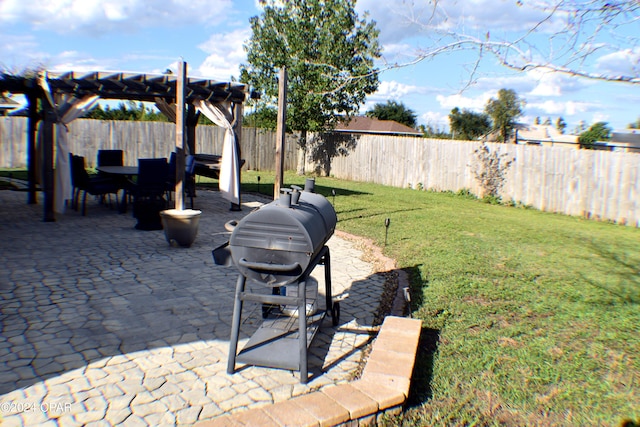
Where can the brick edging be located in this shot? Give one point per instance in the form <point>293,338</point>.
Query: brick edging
<point>383,387</point>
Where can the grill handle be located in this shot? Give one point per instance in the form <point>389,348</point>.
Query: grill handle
<point>265,266</point>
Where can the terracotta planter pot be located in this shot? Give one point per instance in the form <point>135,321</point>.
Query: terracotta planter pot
<point>180,226</point>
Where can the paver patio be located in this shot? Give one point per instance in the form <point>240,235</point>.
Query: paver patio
<point>103,324</point>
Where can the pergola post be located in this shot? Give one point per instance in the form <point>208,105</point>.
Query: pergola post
<point>47,161</point>
<point>238,113</point>
<point>180,160</point>
<point>32,123</point>
<point>281,132</point>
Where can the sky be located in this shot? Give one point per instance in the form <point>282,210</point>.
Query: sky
<point>151,36</point>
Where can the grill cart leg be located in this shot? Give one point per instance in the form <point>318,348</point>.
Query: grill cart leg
<point>333,308</point>
<point>302,330</point>
<point>235,325</point>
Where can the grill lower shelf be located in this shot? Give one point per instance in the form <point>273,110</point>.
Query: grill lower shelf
<point>278,343</point>
<point>275,344</point>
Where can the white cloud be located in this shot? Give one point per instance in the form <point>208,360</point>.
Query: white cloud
<point>400,20</point>
<point>600,117</point>
<point>78,61</point>
<point>623,62</point>
<point>224,54</point>
<point>520,83</point>
<point>534,83</point>
<point>561,108</point>
<point>367,106</point>
<point>394,90</point>
<point>549,84</point>
<point>115,12</point>
<point>547,87</point>
<point>17,45</point>
<point>391,17</point>
<point>98,16</point>
<point>489,15</point>
<point>397,53</point>
<point>476,104</point>
<point>437,120</point>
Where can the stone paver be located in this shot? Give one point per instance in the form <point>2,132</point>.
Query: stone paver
<point>103,324</point>
<point>360,402</point>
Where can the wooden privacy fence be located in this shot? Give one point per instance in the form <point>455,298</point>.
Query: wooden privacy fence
<point>590,183</point>
<point>142,140</point>
<point>595,184</point>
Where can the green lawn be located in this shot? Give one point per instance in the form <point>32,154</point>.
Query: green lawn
<point>530,318</point>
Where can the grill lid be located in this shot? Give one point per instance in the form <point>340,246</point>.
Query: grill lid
<point>276,243</point>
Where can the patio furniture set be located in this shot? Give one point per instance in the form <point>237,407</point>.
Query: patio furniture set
<point>149,185</point>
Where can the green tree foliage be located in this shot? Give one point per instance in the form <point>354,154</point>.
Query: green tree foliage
<point>504,111</point>
<point>395,111</point>
<point>264,117</point>
<point>635,125</point>
<point>328,52</point>
<point>597,132</point>
<point>128,111</point>
<point>431,132</point>
<point>468,125</point>
<point>561,125</point>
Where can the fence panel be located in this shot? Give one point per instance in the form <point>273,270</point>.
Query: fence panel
<point>596,184</point>
<point>599,184</point>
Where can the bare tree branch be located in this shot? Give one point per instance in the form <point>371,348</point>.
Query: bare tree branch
<point>579,33</point>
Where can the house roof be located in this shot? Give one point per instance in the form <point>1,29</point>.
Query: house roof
<point>544,133</point>
<point>371,125</point>
<point>7,103</point>
<point>630,136</point>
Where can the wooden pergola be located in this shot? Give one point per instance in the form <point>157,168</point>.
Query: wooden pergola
<point>156,88</point>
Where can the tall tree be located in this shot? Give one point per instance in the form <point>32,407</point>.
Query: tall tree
<point>395,111</point>
<point>504,111</point>
<point>468,125</point>
<point>599,131</point>
<point>561,125</point>
<point>328,51</point>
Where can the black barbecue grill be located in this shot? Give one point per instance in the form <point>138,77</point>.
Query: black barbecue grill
<point>278,246</point>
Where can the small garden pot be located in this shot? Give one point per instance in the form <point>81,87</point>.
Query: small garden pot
<point>180,226</point>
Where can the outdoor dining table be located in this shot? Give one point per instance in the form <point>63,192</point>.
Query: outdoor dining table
<point>119,170</point>
<point>125,172</point>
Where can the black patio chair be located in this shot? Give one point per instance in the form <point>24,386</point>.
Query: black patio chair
<point>112,158</point>
<point>171,176</point>
<point>74,188</point>
<point>148,193</point>
<point>83,182</point>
